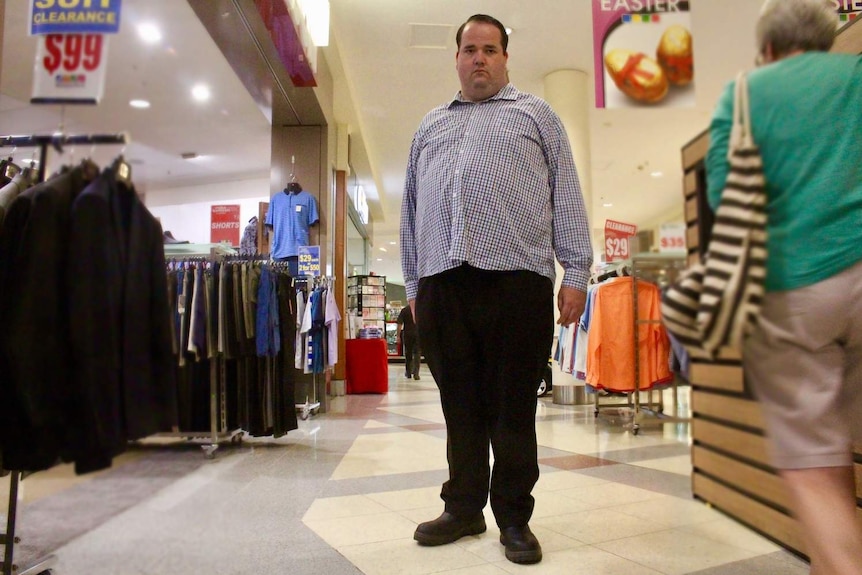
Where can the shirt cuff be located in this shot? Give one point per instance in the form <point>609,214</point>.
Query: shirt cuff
<point>412,287</point>
<point>575,278</point>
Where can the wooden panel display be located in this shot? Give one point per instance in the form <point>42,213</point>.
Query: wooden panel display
<point>691,210</point>
<point>764,485</point>
<point>723,377</point>
<point>692,238</point>
<point>730,408</point>
<point>694,152</point>
<point>740,443</point>
<point>762,518</point>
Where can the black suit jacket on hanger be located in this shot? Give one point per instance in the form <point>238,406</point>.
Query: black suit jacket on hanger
<point>34,393</point>
<point>122,362</point>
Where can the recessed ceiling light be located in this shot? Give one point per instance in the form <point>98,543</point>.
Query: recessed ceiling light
<point>201,93</point>
<point>393,243</point>
<point>509,31</point>
<point>379,259</point>
<point>607,205</point>
<point>382,249</point>
<point>149,33</point>
<point>140,104</point>
<point>656,174</point>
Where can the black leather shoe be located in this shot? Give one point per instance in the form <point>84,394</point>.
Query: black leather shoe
<point>448,528</point>
<point>521,545</point>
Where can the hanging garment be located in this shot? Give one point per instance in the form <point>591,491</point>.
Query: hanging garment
<point>333,317</point>
<point>611,351</point>
<point>122,365</point>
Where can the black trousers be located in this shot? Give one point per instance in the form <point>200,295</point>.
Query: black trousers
<point>412,355</point>
<point>486,337</point>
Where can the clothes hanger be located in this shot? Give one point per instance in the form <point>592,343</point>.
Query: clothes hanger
<point>122,171</point>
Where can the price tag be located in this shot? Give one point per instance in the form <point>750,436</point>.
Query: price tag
<point>672,238</point>
<point>617,236</point>
<point>70,69</point>
<point>308,260</point>
<point>74,16</point>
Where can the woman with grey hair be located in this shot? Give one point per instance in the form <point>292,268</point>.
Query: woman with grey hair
<point>804,360</point>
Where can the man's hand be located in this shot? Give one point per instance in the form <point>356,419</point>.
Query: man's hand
<point>571,302</point>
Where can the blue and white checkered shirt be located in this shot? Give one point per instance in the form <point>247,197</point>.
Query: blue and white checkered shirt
<point>493,184</point>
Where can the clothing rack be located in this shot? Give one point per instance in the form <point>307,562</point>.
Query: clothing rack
<point>9,539</point>
<point>664,268</point>
<point>309,408</point>
<point>58,141</point>
<point>218,432</point>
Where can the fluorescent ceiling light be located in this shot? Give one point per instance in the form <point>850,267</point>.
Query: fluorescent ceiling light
<point>140,104</point>
<point>201,93</point>
<point>607,205</point>
<point>393,243</point>
<point>149,33</point>
<point>656,174</point>
<point>382,249</point>
<point>379,259</point>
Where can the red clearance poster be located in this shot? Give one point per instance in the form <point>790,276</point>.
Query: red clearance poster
<point>224,224</point>
<point>617,236</point>
<point>643,54</point>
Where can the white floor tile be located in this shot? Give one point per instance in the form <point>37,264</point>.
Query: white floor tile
<point>607,495</point>
<point>406,557</point>
<point>730,532</point>
<point>599,525</point>
<point>392,453</point>
<point>585,559</point>
<point>558,480</point>
<point>670,511</point>
<point>371,424</point>
<point>348,506</point>
<point>364,529</point>
<point>675,552</point>
<point>680,464</point>
<point>409,498</point>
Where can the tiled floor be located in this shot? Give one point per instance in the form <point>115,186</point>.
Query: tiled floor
<point>343,494</point>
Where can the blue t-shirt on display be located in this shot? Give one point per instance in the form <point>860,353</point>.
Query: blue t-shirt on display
<point>290,216</point>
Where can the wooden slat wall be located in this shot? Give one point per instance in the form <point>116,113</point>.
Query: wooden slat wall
<point>729,454</point>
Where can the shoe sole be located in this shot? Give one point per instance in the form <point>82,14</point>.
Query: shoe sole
<point>524,557</point>
<point>433,540</point>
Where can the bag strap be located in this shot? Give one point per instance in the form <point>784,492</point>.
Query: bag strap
<point>740,135</point>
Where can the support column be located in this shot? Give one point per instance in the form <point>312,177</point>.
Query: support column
<point>567,91</point>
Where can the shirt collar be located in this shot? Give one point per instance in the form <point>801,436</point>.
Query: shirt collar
<point>507,92</point>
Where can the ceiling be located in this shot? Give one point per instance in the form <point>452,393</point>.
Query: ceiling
<point>384,87</point>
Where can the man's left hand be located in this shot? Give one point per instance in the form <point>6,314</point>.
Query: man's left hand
<point>571,302</point>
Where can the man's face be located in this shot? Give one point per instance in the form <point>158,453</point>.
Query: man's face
<point>480,62</point>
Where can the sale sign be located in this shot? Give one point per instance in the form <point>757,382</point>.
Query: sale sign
<point>74,16</point>
<point>617,236</point>
<point>309,260</point>
<point>671,238</point>
<point>70,69</point>
<point>224,224</point>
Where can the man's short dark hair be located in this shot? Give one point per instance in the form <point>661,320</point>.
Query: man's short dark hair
<point>504,36</point>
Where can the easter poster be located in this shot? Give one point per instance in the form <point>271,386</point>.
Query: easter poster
<point>643,54</point>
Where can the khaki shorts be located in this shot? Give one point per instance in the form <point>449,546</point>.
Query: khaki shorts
<point>804,363</point>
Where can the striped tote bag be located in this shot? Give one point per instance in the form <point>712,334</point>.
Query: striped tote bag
<point>716,303</point>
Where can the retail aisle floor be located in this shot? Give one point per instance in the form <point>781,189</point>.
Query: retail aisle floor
<point>343,494</point>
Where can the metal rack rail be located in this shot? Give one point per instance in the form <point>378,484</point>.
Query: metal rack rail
<point>661,269</point>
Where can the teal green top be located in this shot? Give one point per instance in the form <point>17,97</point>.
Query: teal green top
<point>806,115</point>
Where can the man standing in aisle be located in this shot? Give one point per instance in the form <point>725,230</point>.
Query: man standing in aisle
<point>409,338</point>
<point>491,195</point>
